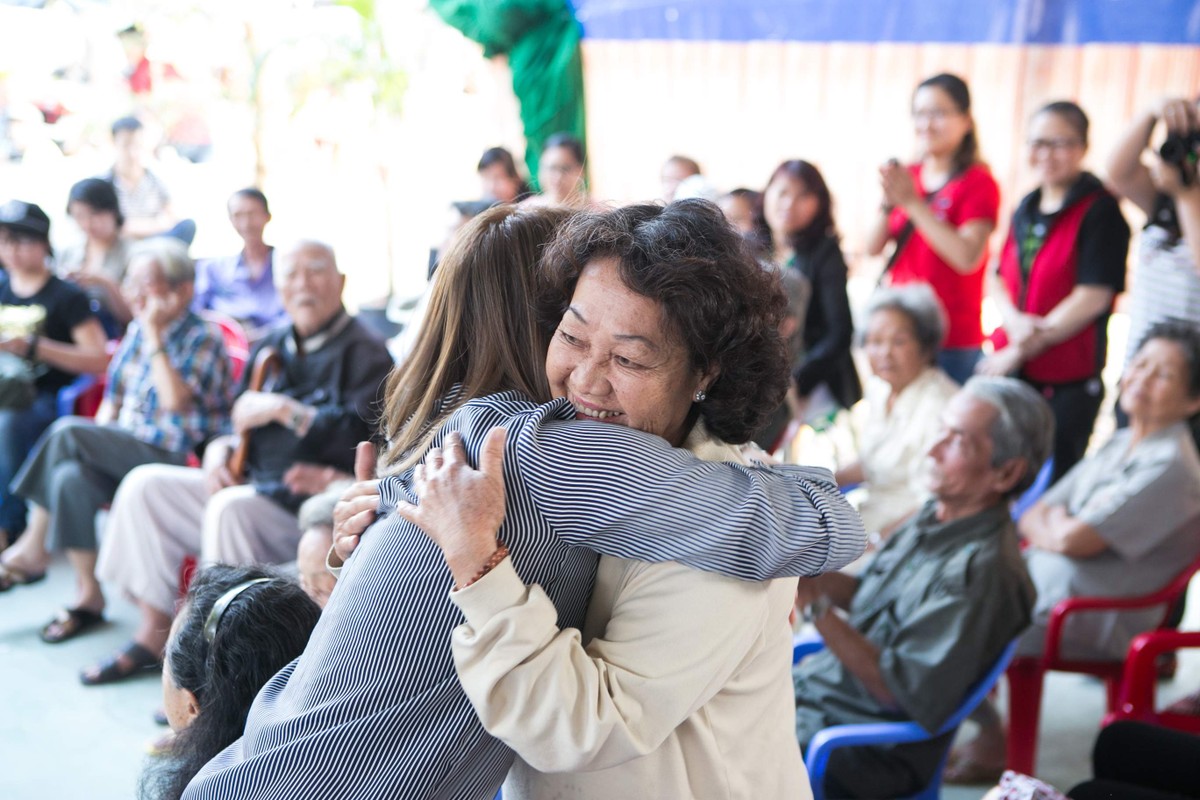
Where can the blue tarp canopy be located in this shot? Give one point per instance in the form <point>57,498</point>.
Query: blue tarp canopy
<point>1072,22</point>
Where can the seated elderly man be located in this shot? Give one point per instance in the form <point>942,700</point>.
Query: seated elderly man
<point>1121,523</point>
<point>169,389</point>
<point>939,602</point>
<point>302,429</point>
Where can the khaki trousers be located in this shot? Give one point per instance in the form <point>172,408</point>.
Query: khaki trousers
<point>162,514</point>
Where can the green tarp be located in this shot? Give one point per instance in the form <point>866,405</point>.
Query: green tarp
<point>541,40</point>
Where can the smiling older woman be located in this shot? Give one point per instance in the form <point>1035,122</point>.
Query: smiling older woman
<point>374,707</point>
<point>682,688</point>
<point>905,398</point>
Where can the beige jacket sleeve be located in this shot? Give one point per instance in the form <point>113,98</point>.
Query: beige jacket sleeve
<point>674,638</point>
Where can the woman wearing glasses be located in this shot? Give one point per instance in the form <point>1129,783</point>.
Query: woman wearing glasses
<point>1061,268</point>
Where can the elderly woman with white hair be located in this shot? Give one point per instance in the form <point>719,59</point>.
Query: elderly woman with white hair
<point>169,389</point>
<point>905,397</point>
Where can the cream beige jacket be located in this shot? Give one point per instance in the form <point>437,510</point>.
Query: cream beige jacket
<point>682,690</point>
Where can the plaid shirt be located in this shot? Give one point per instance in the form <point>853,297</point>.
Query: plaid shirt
<point>197,352</point>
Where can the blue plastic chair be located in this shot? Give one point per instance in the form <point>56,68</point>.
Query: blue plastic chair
<point>816,759</point>
<point>1034,493</point>
<point>70,394</point>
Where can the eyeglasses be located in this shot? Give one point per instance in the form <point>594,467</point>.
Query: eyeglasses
<point>1053,145</point>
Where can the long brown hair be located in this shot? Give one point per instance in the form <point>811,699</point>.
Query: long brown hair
<point>481,333</point>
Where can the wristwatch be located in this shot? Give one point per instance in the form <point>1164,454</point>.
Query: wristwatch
<point>811,612</point>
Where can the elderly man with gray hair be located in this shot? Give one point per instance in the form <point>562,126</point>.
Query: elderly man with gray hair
<point>301,427</point>
<point>937,605</point>
<point>169,389</point>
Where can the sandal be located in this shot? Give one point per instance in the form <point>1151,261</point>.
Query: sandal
<point>69,623</point>
<point>11,576</point>
<point>137,660</point>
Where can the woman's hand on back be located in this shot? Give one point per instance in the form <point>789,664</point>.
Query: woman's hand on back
<point>355,509</point>
<point>460,508</point>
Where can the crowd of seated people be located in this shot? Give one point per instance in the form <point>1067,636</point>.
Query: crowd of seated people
<point>531,594</point>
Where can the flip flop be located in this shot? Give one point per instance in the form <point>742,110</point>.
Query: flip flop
<point>11,576</point>
<point>70,622</point>
<point>111,669</point>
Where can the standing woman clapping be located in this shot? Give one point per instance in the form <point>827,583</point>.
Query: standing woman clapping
<point>939,212</point>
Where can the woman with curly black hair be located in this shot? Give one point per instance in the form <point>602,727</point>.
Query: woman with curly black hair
<point>667,325</point>
<point>663,332</point>
<point>237,628</point>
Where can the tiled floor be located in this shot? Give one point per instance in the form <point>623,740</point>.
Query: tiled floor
<point>60,740</point>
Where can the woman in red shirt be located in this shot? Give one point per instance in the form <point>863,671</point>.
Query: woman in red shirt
<point>940,212</point>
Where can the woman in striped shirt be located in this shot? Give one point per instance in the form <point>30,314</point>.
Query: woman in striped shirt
<point>374,706</point>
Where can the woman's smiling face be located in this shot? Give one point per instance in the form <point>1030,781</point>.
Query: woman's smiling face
<point>616,359</point>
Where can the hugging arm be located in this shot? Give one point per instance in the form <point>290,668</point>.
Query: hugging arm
<point>629,494</point>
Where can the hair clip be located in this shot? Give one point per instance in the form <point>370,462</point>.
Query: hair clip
<point>223,602</point>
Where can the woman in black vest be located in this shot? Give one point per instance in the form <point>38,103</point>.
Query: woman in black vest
<point>1061,267</point>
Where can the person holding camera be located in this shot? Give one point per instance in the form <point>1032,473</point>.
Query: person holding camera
<point>1165,187</point>
<point>1060,270</point>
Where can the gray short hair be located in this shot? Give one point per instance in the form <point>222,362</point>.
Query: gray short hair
<point>923,309</point>
<point>171,256</point>
<point>317,511</point>
<point>1024,424</point>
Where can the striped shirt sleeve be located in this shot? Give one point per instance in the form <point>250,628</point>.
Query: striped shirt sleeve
<point>629,494</point>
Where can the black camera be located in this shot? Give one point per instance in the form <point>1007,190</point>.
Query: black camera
<point>1179,150</point>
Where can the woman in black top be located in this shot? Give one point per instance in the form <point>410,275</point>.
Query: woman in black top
<point>49,323</point>
<point>799,212</point>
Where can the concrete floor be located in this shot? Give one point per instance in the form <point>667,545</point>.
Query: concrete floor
<point>60,740</point>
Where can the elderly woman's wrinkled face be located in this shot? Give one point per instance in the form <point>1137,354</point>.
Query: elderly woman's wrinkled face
<point>893,349</point>
<point>145,283</point>
<point>613,358</point>
<point>1154,388</point>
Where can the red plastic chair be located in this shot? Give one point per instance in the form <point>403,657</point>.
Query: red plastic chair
<point>1136,698</point>
<point>236,343</point>
<point>82,397</point>
<point>1027,674</point>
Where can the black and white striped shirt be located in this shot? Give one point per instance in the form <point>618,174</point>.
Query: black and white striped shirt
<point>373,707</point>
